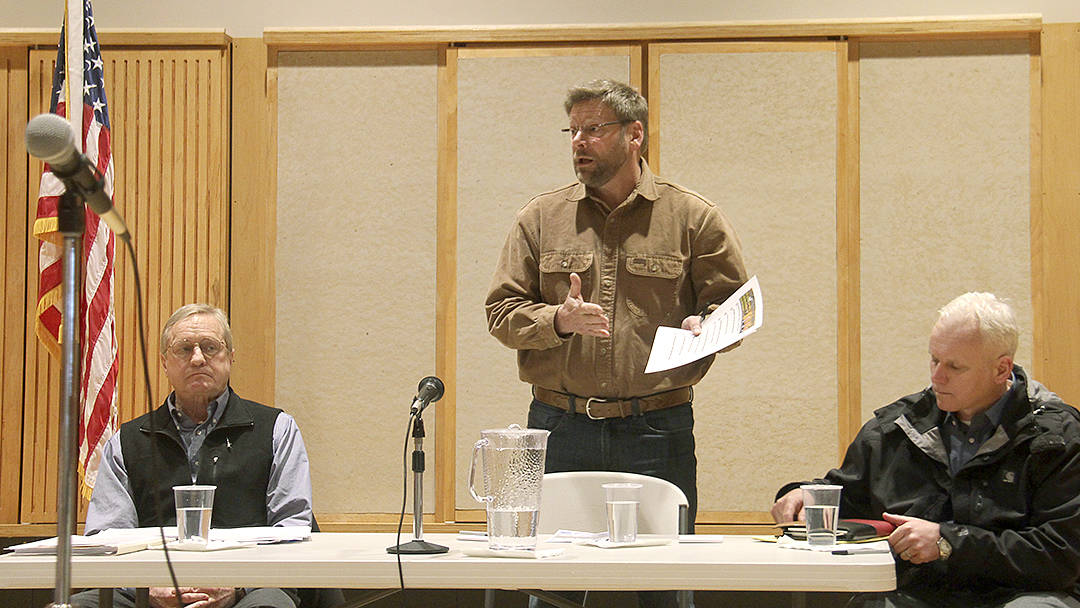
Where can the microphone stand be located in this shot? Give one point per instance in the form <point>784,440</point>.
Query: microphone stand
<point>71,222</point>
<point>418,546</point>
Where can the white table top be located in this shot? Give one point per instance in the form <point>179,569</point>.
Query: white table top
<point>360,561</point>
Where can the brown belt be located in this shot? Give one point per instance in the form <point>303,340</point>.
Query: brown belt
<point>597,408</point>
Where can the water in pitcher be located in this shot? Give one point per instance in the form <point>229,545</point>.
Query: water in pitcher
<point>514,476</point>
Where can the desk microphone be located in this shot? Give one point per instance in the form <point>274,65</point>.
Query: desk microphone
<point>428,391</point>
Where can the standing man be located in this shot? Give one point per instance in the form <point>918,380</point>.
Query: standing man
<point>206,434</point>
<point>980,472</point>
<point>587,274</point>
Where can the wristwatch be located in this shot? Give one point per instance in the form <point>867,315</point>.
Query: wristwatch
<point>944,548</point>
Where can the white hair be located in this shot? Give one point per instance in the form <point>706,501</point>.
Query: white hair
<point>993,318</point>
<point>190,310</point>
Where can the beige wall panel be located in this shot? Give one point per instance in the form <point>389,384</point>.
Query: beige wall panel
<point>509,150</point>
<point>755,132</point>
<point>170,184</point>
<point>356,188</point>
<point>945,196</point>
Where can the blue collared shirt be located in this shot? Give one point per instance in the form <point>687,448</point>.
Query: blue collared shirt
<point>288,494</point>
<point>963,440</point>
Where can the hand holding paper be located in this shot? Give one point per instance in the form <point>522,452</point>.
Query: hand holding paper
<point>739,316</point>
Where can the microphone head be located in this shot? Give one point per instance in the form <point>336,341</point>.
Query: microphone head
<point>51,138</point>
<point>430,390</point>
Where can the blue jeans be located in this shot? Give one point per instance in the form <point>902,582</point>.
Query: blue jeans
<point>658,443</point>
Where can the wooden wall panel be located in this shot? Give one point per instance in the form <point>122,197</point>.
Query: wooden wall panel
<point>1055,222</point>
<point>945,192</point>
<point>753,127</point>
<point>509,150</point>
<point>171,186</point>
<point>13,223</point>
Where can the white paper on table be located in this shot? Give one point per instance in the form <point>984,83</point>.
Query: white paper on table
<point>739,316</point>
<point>474,551</point>
<point>700,538</point>
<point>115,541</point>
<point>642,541</point>
<point>262,535</point>
<point>570,536</point>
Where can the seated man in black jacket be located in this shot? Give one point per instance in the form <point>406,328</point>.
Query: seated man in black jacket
<point>980,472</point>
<point>207,434</point>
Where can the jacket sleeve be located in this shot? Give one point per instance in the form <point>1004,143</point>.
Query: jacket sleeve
<point>1045,555</point>
<point>717,268</point>
<point>516,314</point>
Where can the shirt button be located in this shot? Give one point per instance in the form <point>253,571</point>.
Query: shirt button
<point>198,432</point>
<point>603,385</point>
<point>654,267</point>
<point>971,440</point>
<point>603,351</point>
<point>565,264</point>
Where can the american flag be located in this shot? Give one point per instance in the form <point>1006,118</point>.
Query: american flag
<point>97,330</point>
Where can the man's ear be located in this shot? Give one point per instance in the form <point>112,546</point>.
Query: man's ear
<point>1003,369</point>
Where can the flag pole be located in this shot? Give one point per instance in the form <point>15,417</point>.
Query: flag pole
<point>71,219</point>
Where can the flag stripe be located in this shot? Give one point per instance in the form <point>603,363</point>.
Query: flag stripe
<point>97,330</point>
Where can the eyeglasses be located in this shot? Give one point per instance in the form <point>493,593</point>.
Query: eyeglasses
<point>184,350</point>
<point>592,131</point>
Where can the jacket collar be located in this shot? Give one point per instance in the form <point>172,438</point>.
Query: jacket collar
<point>235,415</point>
<point>919,418</point>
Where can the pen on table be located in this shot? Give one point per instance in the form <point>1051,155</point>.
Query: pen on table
<point>858,551</point>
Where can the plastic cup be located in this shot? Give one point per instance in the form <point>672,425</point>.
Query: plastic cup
<point>821,504</point>
<point>622,511</point>
<point>194,505</point>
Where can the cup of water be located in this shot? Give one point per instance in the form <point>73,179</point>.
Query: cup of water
<point>622,511</point>
<point>194,504</point>
<point>821,504</point>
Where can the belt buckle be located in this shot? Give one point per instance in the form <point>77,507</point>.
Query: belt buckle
<point>589,402</point>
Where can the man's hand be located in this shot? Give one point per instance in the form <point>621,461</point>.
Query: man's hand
<point>914,539</point>
<point>193,597</point>
<point>789,507</point>
<point>576,316</point>
<point>693,324</point>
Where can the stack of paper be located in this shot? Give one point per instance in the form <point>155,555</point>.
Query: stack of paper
<point>107,542</point>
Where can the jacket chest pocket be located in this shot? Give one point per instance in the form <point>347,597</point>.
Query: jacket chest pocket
<point>655,280</point>
<point>555,269</point>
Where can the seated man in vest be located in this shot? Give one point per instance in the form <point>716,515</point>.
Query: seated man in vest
<point>979,472</point>
<point>207,434</point>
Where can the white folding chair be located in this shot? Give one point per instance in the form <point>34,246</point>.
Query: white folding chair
<point>575,501</point>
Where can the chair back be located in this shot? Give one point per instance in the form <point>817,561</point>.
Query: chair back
<point>575,501</point>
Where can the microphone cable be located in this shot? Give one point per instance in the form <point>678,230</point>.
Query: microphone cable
<point>404,501</point>
<point>155,458</point>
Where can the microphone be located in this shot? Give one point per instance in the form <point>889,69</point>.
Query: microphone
<point>428,391</point>
<point>52,139</point>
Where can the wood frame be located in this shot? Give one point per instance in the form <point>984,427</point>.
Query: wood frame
<point>1055,186</point>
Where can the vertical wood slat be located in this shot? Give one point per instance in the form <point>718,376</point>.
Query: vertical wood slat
<point>849,352</point>
<point>13,222</point>
<point>446,292</point>
<point>1055,219</point>
<point>41,381</point>
<point>252,239</point>
<point>159,121</point>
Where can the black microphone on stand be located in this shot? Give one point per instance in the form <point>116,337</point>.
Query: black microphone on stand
<point>428,391</point>
<point>52,139</point>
